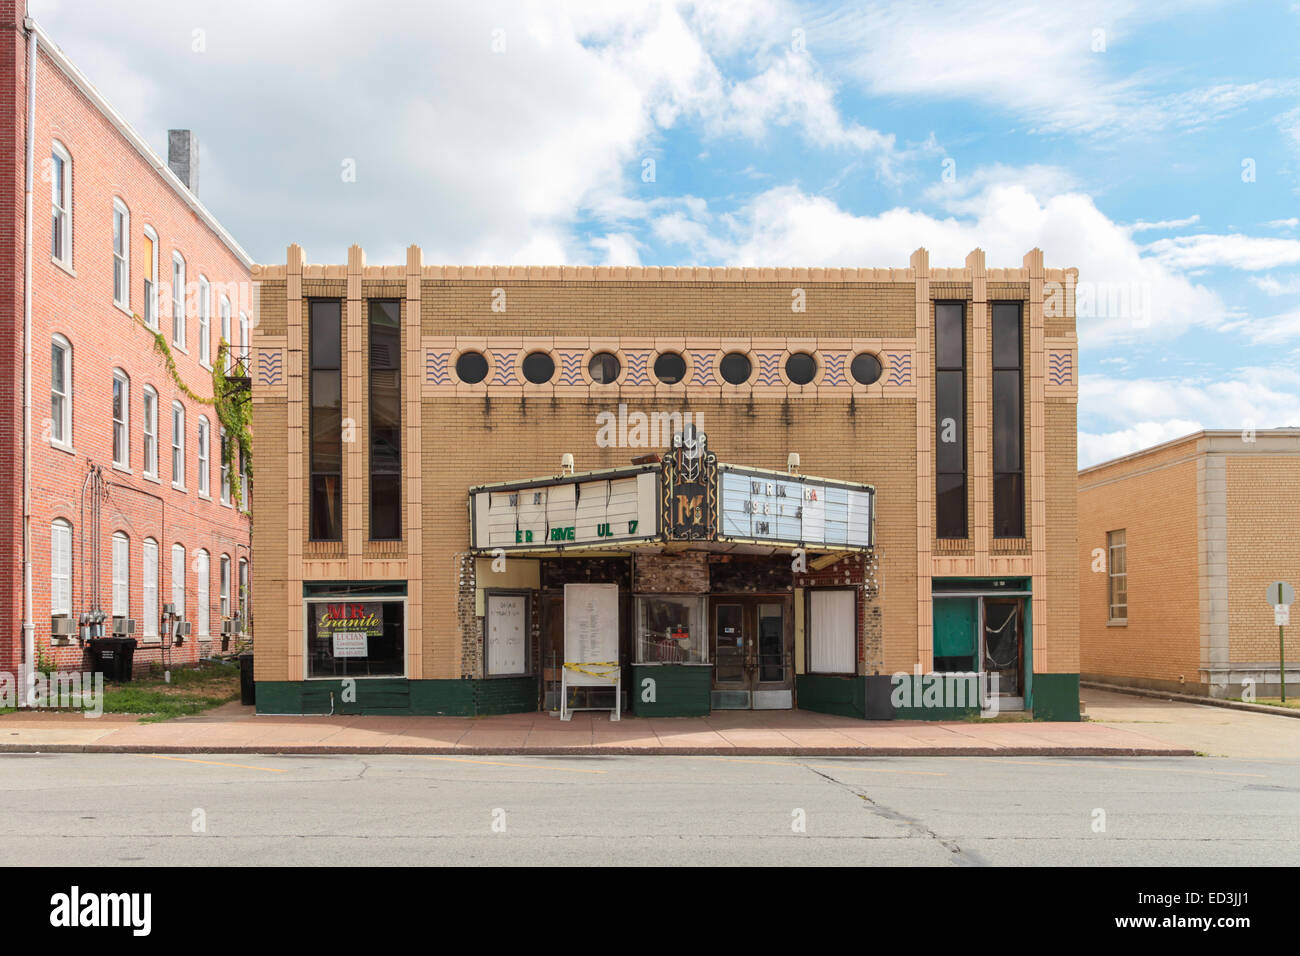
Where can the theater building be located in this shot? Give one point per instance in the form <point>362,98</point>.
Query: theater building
<point>668,491</point>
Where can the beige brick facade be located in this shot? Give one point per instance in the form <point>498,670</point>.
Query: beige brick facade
<point>1209,522</point>
<point>458,435</point>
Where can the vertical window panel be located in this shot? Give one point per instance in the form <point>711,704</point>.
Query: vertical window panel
<point>950,420</point>
<point>385,420</point>
<point>1008,422</point>
<point>326,384</point>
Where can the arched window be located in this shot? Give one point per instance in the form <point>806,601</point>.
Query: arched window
<point>149,426</point>
<point>61,566</point>
<point>61,391</point>
<point>150,278</point>
<point>225,333</point>
<point>121,575</point>
<point>205,320</point>
<point>178,445</point>
<point>178,579</point>
<point>121,254</point>
<point>203,455</point>
<point>203,578</point>
<point>178,299</point>
<point>149,588</point>
<point>61,205</point>
<point>224,585</point>
<point>121,419</point>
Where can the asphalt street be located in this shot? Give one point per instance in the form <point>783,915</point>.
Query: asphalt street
<point>210,809</point>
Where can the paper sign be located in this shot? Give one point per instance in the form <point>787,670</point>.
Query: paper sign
<point>1281,615</point>
<point>350,645</point>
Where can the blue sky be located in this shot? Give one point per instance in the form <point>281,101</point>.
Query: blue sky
<point>1155,146</point>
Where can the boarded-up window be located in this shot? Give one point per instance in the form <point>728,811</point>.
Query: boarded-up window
<point>832,636</point>
<point>507,634</point>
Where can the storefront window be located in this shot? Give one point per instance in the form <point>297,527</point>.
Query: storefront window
<point>356,637</point>
<point>670,630</point>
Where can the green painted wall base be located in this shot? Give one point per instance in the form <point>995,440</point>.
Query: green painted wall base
<point>1056,697</point>
<point>449,698</point>
<point>841,696</point>
<point>680,690</point>
<point>934,697</point>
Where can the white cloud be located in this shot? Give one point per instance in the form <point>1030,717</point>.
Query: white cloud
<point>1035,60</point>
<point>1291,223</point>
<point>1164,224</point>
<point>1132,296</point>
<point>479,156</point>
<point>1270,286</point>
<point>1236,251</point>
<point>1147,411</point>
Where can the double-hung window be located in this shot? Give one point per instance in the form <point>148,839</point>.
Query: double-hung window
<point>61,391</point>
<point>178,445</point>
<point>121,255</point>
<point>205,321</point>
<point>61,205</point>
<point>150,429</point>
<point>121,418</point>
<point>178,300</point>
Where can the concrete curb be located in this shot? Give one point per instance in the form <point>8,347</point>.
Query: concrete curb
<point>1194,699</point>
<point>1055,751</point>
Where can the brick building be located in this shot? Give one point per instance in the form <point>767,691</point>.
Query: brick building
<point>719,487</point>
<point>1179,543</point>
<point>129,506</point>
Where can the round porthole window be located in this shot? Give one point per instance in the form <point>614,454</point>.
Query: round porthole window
<point>471,367</point>
<point>604,368</point>
<point>801,368</point>
<point>735,368</point>
<point>670,368</point>
<point>866,369</point>
<point>539,367</point>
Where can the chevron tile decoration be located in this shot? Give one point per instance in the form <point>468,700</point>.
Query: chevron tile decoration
<point>833,364</point>
<point>571,367</point>
<point>1060,367</point>
<point>769,368</point>
<point>900,368</point>
<point>435,367</point>
<point>270,367</point>
<point>638,367</point>
<point>504,362</point>
<point>702,363</point>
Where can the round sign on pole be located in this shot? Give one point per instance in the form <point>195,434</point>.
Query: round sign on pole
<point>1279,592</point>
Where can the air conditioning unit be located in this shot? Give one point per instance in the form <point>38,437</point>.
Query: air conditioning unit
<point>169,609</point>
<point>230,628</point>
<point>182,631</point>
<point>61,626</point>
<point>123,626</point>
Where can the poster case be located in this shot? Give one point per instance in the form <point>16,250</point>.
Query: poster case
<point>590,644</point>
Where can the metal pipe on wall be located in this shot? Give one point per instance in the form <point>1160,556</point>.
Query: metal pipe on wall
<point>28,663</point>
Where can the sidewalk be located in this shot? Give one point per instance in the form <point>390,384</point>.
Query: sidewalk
<point>235,729</point>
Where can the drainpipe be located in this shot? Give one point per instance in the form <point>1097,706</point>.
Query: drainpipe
<point>28,680</point>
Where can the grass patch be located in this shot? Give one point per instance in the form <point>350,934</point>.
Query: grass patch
<point>1292,703</point>
<point>191,690</point>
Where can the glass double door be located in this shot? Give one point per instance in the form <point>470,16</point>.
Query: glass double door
<point>752,642</point>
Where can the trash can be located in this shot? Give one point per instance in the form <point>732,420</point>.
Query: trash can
<point>247,689</point>
<point>112,656</point>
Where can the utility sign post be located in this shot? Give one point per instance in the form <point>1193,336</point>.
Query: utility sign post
<point>1281,595</point>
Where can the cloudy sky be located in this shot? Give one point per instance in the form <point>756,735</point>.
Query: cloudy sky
<point>1154,145</point>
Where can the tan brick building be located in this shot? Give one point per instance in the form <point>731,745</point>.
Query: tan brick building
<point>1178,544</point>
<point>722,487</point>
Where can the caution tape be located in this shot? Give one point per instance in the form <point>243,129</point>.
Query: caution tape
<point>609,667</point>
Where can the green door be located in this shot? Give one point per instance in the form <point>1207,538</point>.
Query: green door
<point>956,622</point>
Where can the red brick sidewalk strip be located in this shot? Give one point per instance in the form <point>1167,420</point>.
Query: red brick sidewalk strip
<point>739,733</point>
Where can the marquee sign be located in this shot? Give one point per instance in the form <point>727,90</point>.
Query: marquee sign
<point>770,506</point>
<point>689,496</point>
<point>567,512</point>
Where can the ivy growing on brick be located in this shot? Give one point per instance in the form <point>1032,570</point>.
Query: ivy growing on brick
<point>235,416</point>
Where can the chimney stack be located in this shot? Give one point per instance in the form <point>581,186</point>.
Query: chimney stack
<point>183,157</point>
